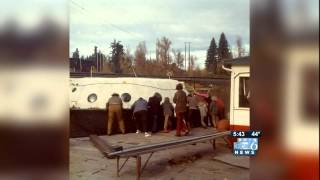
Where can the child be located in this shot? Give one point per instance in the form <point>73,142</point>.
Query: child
<point>203,112</point>
<point>167,112</point>
<point>213,111</point>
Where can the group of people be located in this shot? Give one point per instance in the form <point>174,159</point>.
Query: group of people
<point>186,112</point>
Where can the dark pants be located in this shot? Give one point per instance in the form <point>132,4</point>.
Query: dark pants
<point>192,116</point>
<point>141,120</point>
<point>155,118</point>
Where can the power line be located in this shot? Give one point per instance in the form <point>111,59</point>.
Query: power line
<point>85,10</point>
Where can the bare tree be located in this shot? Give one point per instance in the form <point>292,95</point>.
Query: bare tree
<point>162,51</point>
<point>178,58</point>
<point>239,46</point>
<point>126,62</point>
<point>140,54</point>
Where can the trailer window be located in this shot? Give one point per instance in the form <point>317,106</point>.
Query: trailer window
<point>92,98</point>
<point>244,93</point>
<point>126,97</point>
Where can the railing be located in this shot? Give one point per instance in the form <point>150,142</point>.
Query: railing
<point>137,151</point>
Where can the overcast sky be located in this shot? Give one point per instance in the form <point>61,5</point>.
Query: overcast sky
<point>97,23</point>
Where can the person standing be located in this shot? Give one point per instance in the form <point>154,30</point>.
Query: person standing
<point>167,112</point>
<point>203,112</point>
<point>211,91</point>
<point>220,109</point>
<point>193,107</point>
<point>154,107</point>
<point>180,99</point>
<point>114,107</point>
<point>213,111</point>
<point>140,108</point>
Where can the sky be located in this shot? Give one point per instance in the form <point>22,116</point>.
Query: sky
<point>99,22</point>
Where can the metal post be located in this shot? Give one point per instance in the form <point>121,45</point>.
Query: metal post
<point>194,84</point>
<point>185,55</point>
<point>189,57</point>
<point>118,159</point>
<point>138,166</point>
<point>214,144</point>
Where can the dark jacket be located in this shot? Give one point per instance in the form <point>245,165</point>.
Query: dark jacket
<point>180,99</point>
<point>154,105</point>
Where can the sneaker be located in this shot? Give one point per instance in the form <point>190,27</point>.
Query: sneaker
<point>137,132</point>
<point>147,134</point>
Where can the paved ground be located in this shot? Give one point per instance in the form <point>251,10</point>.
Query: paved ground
<point>192,162</point>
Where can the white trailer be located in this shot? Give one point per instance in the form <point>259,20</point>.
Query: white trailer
<point>239,93</point>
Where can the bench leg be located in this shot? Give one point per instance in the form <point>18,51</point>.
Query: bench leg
<point>214,144</point>
<point>118,159</point>
<point>138,166</point>
<point>229,144</point>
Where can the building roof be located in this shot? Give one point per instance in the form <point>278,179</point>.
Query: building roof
<point>238,61</point>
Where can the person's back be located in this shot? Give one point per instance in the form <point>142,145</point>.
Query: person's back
<point>180,99</point>
<point>167,108</point>
<point>167,112</point>
<point>154,104</point>
<point>219,103</point>
<point>193,102</point>
<point>213,107</point>
<point>154,110</point>
<point>203,108</point>
<point>140,105</point>
<point>203,112</point>
<point>114,107</point>
<point>220,108</point>
<point>140,108</point>
<point>115,100</point>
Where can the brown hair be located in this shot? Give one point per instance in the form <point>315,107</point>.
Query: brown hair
<point>179,86</point>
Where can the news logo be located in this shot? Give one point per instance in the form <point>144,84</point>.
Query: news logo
<point>247,142</point>
<point>245,147</point>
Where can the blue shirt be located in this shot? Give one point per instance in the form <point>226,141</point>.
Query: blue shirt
<point>140,105</point>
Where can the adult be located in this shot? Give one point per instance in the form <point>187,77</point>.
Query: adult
<point>140,108</point>
<point>114,107</point>
<point>220,109</point>
<point>203,108</point>
<point>154,109</point>
<point>211,91</point>
<point>213,111</point>
<point>180,99</point>
<point>167,112</point>
<point>193,108</point>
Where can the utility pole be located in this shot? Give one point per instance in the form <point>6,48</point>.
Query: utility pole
<point>185,56</point>
<point>96,56</point>
<point>189,60</point>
